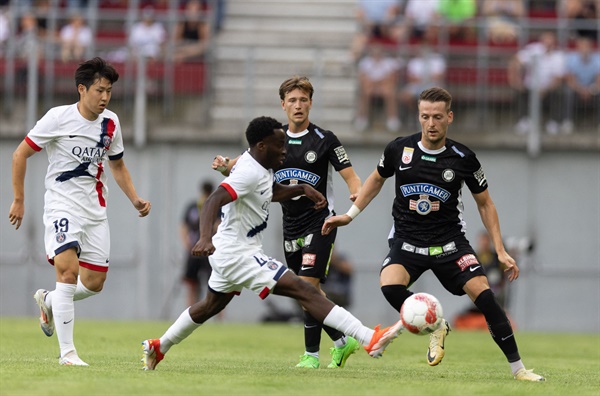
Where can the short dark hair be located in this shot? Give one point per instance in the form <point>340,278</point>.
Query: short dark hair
<point>260,128</point>
<point>207,187</point>
<point>436,94</point>
<point>92,70</point>
<point>296,82</point>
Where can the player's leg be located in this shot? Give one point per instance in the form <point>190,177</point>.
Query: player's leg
<point>189,320</point>
<point>374,340</point>
<point>66,264</point>
<point>219,294</point>
<point>478,290</point>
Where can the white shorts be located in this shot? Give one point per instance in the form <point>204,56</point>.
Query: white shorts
<point>257,272</point>
<point>91,238</point>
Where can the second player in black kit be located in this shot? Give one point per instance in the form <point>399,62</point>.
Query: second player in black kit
<point>312,154</point>
<point>429,232</point>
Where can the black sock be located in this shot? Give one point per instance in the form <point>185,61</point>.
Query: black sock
<point>333,333</point>
<point>396,295</point>
<point>312,333</point>
<point>498,324</point>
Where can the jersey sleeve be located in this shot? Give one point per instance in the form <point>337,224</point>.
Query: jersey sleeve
<point>43,132</point>
<point>116,147</point>
<point>475,176</point>
<point>241,181</point>
<point>337,154</point>
<point>385,167</point>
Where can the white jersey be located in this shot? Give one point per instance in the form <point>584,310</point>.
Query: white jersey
<point>244,219</point>
<point>76,147</point>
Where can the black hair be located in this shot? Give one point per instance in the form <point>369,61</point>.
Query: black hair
<point>92,70</point>
<point>207,187</point>
<point>260,128</point>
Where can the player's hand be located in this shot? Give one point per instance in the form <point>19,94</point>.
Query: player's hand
<point>335,221</point>
<point>142,206</point>
<point>203,248</point>
<point>220,163</point>
<point>353,197</point>
<point>16,213</point>
<point>315,196</point>
<point>510,266</point>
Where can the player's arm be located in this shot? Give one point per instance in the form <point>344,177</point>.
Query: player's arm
<point>352,181</point>
<point>209,215</point>
<point>123,179</point>
<point>489,217</point>
<point>369,190</point>
<point>19,168</point>
<point>286,192</point>
<point>224,164</point>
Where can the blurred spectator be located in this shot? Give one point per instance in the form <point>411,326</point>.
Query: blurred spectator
<point>459,16</point>
<point>197,268</point>
<point>338,287</point>
<point>502,23</point>
<point>586,11</point>
<point>4,31</point>
<point>192,34</point>
<point>147,36</point>
<point>378,75</point>
<point>472,318</point>
<point>425,70</point>
<point>377,20</point>
<point>543,63</point>
<point>75,38</point>
<point>583,82</point>
<point>421,17</point>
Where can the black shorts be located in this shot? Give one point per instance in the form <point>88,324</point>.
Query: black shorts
<point>196,268</point>
<point>309,255</point>
<point>453,262</point>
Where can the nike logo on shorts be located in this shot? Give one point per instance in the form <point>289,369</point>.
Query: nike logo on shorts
<point>472,269</point>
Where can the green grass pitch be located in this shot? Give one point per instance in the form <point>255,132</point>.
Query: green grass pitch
<point>255,359</point>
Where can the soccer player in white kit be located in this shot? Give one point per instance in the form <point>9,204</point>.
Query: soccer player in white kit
<point>236,252</point>
<point>78,139</point>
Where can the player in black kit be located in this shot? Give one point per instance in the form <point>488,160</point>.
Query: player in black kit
<point>428,232</point>
<point>312,153</point>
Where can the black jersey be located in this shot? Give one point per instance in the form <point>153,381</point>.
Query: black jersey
<point>310,159</point>
<point>428,207</point>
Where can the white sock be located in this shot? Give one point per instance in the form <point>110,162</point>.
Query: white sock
<point>82,292</point>
<point>64,316</point>
<point>313,354</point>
<point>48,300</point>
<point>180,330</point>
<point>516,366</point>
<point>340,342</point>
<point>344,321</point>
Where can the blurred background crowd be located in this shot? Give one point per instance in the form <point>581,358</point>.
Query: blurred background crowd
<point>204,67</point>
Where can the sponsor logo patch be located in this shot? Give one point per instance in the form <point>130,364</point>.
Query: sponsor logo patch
<point>480,177</point>
<point>425,188</point>
<point>297,174</point>
<point>310,157</point>
<point>408,247</point>
<point>61,237</point>
<point>428,158</point>
<point>342,156</point>
<point>435,250</point>
<point>423,205</point>
<point>466,260</point>
<point>308,259</point>
<point>272,266</point>
<point>295,141</point>
<point>407,155</point>
<point>448,175</point>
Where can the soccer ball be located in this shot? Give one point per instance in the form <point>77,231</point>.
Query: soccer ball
<point>421,313</point>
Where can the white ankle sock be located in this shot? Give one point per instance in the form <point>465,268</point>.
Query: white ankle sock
<point>344,321</point>
<point>181,329</point>
<point>340,342</point>
<point>82,292</point>
<point>64,316</point>
<point>516,366</point>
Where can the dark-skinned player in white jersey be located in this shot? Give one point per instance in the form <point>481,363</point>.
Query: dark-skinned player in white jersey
<point>312,153</point>
<point>428,232</point>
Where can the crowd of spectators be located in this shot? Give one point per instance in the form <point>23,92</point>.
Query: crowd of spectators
<point>411,41</point>
<point>113,37</point>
